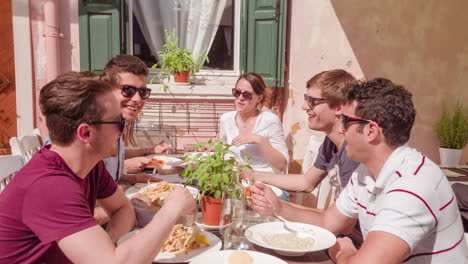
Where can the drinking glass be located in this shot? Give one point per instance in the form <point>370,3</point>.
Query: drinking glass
<point>232,224</point>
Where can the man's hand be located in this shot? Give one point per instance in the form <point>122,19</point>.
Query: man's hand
<point>162,148</point>
<point>100,215</point>
<point>343,248</point>
<point>263,199</point>
<point>182,200</point>
<point>136,164</point>
<point>141,177</point>
<point>248,139</point>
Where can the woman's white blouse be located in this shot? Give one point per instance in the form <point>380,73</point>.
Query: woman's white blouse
<point>267,125</point>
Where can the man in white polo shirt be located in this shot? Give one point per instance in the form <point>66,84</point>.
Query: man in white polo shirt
<point>404,203</point>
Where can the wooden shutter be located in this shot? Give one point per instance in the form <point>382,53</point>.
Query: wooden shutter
<point>262,39</point>
<point>99,33</point>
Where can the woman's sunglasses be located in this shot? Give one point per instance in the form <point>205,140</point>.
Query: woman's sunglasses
<point>313,101</point>
<point>129,91</point>
<point>246,95</point>
<point>121,123</point>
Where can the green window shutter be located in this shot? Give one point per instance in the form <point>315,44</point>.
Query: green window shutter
<point>99,33</point>
<point>262,39</point>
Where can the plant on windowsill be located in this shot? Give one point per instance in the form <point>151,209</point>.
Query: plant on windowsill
<point>214,174</point>
<point>452,132</point>
<point>176,61</point>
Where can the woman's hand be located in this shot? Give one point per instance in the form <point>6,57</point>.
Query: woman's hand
<point>162,148</point>
<point>248,139</point>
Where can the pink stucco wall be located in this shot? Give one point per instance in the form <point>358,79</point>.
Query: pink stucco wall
<point>416,43</point>
<point>69,44</point>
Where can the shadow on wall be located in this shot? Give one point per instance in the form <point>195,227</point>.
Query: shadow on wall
<point>417,44</point>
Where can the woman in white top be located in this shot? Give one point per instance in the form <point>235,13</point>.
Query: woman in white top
<point>255,133</point>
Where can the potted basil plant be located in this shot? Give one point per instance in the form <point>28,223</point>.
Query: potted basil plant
<point>214,174</point>
<point>178,62</point>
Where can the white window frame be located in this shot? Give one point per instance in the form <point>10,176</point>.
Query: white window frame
<point>235,72</point>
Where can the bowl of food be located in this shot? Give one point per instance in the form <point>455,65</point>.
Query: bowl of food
<point>147,199</point>
<point>274,236</point>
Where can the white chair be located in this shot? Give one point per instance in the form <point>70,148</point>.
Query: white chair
<point>9,165</point>
<point>26,146</point>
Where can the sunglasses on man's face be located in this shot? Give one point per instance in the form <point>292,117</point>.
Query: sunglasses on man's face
<point>246,95</point>
<point>121,123</point>
<point>313,101</point>
<point>346,120</point>
<point>129,91</point>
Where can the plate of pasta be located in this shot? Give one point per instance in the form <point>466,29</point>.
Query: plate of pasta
<point>183,244</point>
<point>152,195</point>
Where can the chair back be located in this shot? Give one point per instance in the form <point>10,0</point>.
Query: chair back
<point>9,165</point>
<point>26,146</point>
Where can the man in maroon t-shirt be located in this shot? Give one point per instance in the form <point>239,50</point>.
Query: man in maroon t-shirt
<point>46,211</point>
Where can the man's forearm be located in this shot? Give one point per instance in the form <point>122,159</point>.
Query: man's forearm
<point>289,182</point>
<point>121,222</point>
<point>131,153</point>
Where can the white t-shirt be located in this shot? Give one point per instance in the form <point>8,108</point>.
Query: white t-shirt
<point>411,199</point>
<point>267,125</point>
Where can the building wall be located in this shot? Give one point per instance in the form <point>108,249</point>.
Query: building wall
<point>420,44</point>
<point>67,14</point>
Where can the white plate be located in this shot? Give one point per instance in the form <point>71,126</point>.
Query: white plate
<point>222,257</point>
<point>164,257</point>
<point>323,238</point>
<point>138,187</point>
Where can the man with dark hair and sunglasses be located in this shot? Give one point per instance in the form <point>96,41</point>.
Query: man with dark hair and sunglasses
<point>323,104</point>
<point>404,203</point>
<point>46,211</point>
<point>132,94</point>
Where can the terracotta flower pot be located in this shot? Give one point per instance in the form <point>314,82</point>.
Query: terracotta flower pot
<point>182,77</point>
<point>211,210</point>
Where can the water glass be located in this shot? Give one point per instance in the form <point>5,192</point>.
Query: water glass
<point>232,224</point>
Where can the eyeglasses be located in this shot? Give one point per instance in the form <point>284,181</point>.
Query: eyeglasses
<point>237,93</point>
<point>345,120</point>
<point>129,91</point>
<point>121,123</point>
<point>313,101</point>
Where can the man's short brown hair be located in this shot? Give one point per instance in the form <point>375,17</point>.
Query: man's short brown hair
<point>69,101</point>
<point>126,63</point>
<point>332,84</point>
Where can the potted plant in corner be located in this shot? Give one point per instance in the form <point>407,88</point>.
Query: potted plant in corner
<point>453,135</point>
<point>178,62</point>
<point>214,174</point>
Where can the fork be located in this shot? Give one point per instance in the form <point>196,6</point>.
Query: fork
<point>297,233</point>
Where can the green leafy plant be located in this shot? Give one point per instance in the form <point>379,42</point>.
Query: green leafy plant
<point>175,59</point>
<point>453,131</point>
<point>216,172</point>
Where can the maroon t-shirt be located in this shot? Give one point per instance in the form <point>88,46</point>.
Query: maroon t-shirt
<point>44,202</point>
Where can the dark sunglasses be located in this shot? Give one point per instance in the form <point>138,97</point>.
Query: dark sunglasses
<point>313,101</point>
<point>345,120</point>
<point>121,123</point>
<point>237,93</point>
<point>129,91</point>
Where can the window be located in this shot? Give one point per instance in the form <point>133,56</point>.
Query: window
<point>203,25</point>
